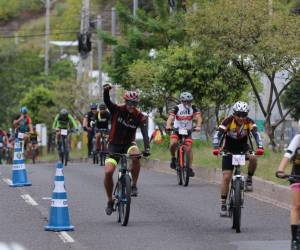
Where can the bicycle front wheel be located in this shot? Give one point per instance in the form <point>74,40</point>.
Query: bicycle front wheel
<point>186,167</point>
<point>124,196</point>
<point>237,207</point>
<point>33,156</point>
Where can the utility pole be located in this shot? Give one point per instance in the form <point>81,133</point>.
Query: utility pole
<point>270,7</point>
<point>47,32</point>
<point>135,7</point>
<point>84,62</point>
<point>113,22</point>
<point>16,38</point>
<point>113,33</point>
<point>100,55</point>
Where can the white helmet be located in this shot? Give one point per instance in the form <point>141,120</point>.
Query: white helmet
<point>242,107</point>
<point>186,96</point>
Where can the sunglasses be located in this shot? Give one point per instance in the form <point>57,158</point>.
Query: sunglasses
<point>131,103</point>
<point>241,114</point>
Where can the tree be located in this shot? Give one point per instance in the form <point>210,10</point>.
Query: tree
<point>244,33</point>
<point>213,81</point>
<point>18,68</point>
<point>291,98</point>
<point>40,101</point>
<point>155,28</point>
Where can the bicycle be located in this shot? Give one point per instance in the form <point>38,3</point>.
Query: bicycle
<point>95,151</point>
<point>8,154</point>
<point>235,201</point>
<point>34,150</point>
<point>122,189</point>
<point>2,148</point>
<point>103,145</point>
<point>64,147</point>
<point>183,157</point>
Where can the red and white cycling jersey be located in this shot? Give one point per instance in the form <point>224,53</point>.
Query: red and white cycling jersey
<point>293,151</point>
<point>184,116</point>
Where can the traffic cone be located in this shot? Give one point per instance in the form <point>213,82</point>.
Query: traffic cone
<point>19,173</point>
<point>59,212</point>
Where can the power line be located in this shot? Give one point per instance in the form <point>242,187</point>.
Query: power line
<point>39,35</point>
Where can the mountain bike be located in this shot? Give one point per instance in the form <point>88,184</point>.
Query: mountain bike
<point>103,145</point>
<point>8,154</point>
<point>33,149</point>
<point>2,147</point>
<point>235,200</point>
<point>183,157</point>
<point>122,189</point>
<point>64,146</point>
<point>95,151</point>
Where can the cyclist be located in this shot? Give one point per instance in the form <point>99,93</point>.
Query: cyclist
<point>3,142</point>
<point>10,144</point>
<point>183,115</point>
<point>235,131</point>
<point>63,120</point>
<point>89,117</point>
<point>293,154</point>
<point>125,121</point>
<point>33,139</point>
<point>23,124</point>
<point>102,122</point>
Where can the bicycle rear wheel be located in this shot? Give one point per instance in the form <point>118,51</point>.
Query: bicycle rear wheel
<point>124,196</point>
<point>33,155</point>
<point>237,209</point>
<point>186,167</point>
<point>102,155</point>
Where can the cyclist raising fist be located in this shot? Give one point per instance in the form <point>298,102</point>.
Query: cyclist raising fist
<point>125,119</point>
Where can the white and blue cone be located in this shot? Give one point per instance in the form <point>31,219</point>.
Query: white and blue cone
<point>19,173</point>
<point>59,212</point>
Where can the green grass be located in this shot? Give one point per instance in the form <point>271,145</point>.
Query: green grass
<point>74,154</point>
<point>203,157</point>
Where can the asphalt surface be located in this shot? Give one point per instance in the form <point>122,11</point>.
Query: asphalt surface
<point>164,216</point>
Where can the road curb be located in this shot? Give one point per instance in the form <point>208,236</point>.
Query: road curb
<point>267,191</point>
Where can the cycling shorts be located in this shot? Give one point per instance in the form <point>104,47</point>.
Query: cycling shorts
<point>176,136</point>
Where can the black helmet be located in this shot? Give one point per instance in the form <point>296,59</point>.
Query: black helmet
<point>102,106</point>
<point>93,106</point>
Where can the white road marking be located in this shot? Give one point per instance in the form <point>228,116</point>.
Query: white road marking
<point>65,237</point>
<point>16,246</point>
<point>12,246</point>
<point>7,181</point>
<point>46,198</point>
<point>28,199</point>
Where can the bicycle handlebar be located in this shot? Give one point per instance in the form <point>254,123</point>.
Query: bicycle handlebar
<point>290,177</point>
<point>222,153</point>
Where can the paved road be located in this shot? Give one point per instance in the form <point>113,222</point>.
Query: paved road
<point>164,216</point>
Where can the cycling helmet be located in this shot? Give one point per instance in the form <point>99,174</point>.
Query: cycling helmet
<point>131,96</point>
<point>186,96</point>
<point>241,107</point>
<point>93,106</point>
<point>102,106</point>
<point>24,110</point>
<point>64,112</point>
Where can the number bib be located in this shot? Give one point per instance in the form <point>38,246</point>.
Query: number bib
<point>64,132</point>
<point>238,160</point>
